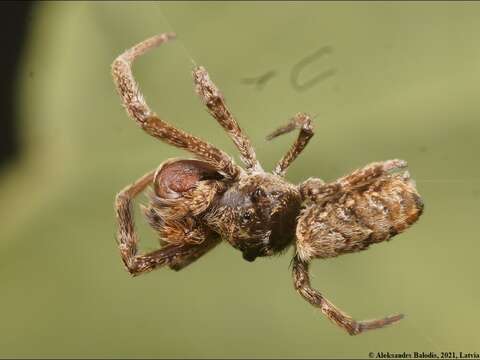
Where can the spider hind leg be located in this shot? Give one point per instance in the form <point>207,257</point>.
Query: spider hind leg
<point>302,285</point>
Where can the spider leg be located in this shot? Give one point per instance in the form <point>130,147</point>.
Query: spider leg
<point>370,173</point>
<point>302,285</point>
<point>176,256</point>
<point>300,121</point>
<point>139,111</point>
<point>317,191</point>
<point>214,101</point>
<point>180,262</point>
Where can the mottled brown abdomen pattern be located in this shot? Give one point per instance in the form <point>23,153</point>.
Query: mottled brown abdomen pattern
<point>355,219</point>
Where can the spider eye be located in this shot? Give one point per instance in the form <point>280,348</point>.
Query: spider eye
<point>258,194</point>
<point>247,216</point>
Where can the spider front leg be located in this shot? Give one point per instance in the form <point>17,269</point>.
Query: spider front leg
<point>315,190</point>
<point>139,111</point>
<point>300,121</point>
<point>214,101</point>
<point>302,285</point>
<point>174,255</point>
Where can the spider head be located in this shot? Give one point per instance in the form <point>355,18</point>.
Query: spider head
<point>257,215</point>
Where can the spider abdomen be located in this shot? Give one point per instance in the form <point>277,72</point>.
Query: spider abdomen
<point>358,218</point>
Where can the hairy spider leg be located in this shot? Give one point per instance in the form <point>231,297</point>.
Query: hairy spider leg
<point>316,191</point>
<point>213,99</point>
<point>301,281</point>
<point>139,111</point>
<point>174,255</point>
<point>300,121</point>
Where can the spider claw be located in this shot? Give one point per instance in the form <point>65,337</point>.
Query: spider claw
<point>362,326</point>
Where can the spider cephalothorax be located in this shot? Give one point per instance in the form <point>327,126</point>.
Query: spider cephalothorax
<point>257,215</point>
<point>195,203</point>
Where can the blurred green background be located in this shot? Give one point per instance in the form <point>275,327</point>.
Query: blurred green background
<point>405,84</point>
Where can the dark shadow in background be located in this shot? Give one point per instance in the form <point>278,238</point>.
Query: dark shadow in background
<point>307,60</point>
<point>14,21</point>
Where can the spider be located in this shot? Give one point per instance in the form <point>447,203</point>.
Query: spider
<point>195,203</point>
